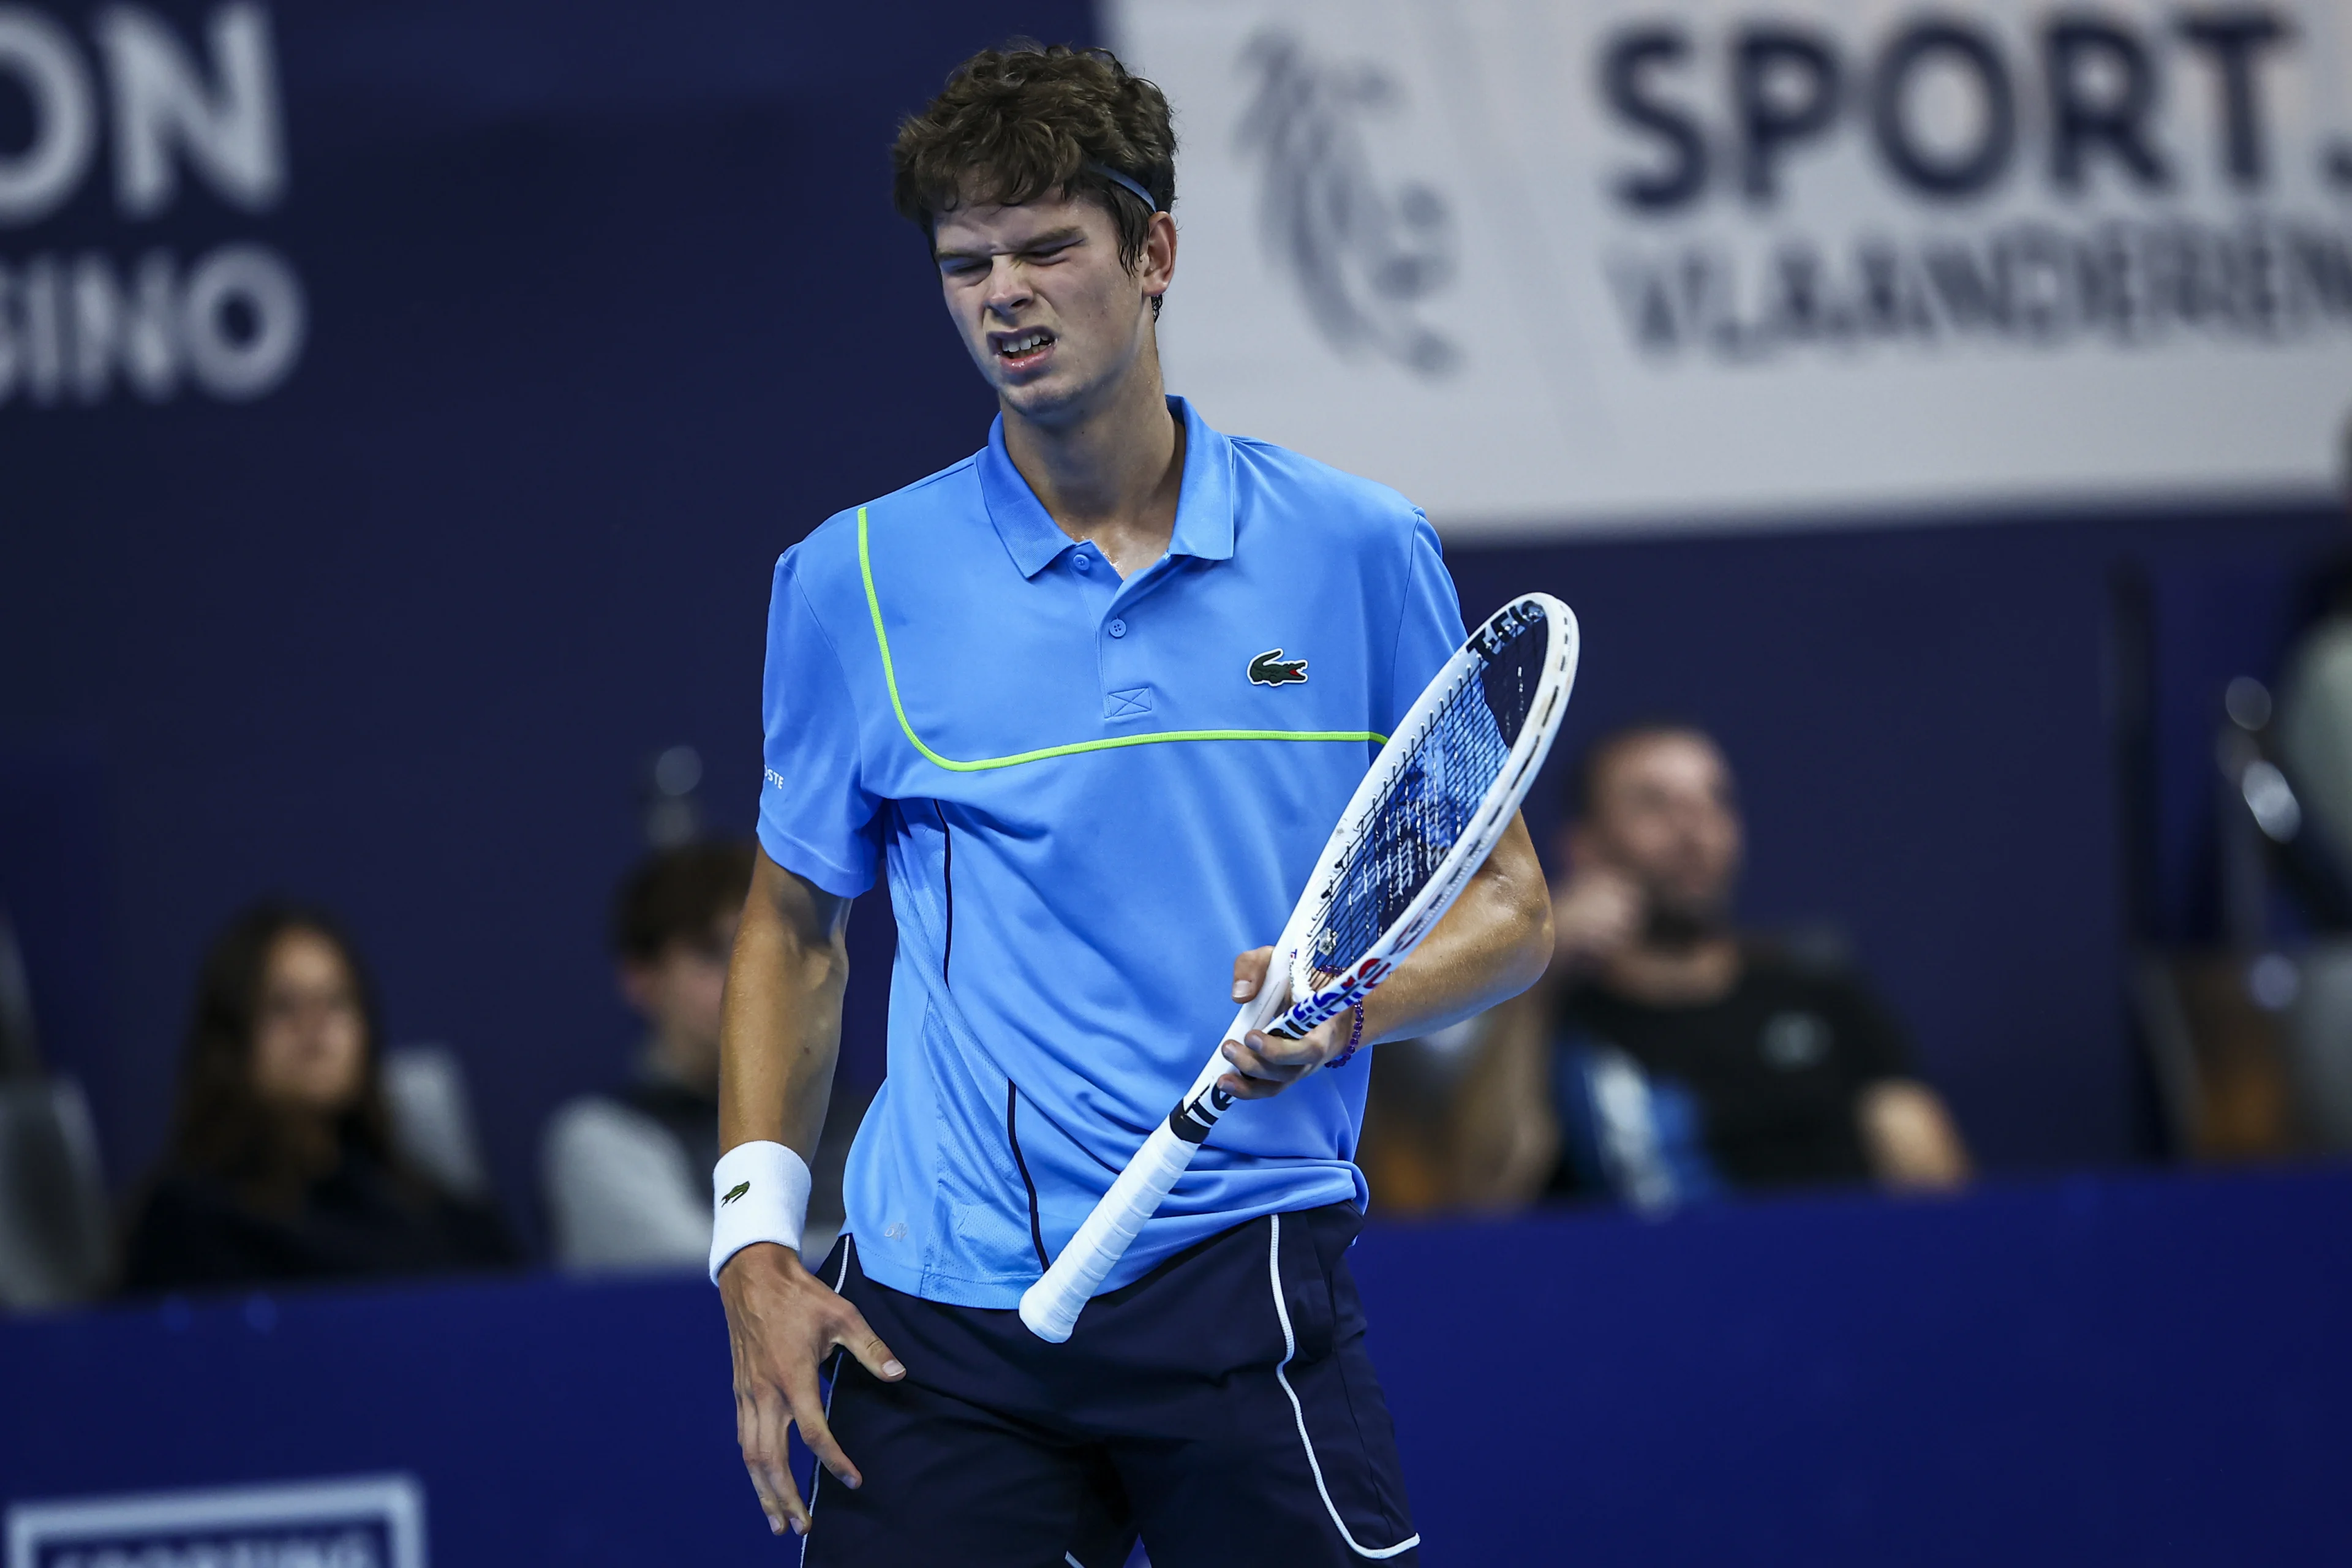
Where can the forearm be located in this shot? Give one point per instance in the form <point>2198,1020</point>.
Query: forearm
<point>780,1035</point>
<point>1492,945</point>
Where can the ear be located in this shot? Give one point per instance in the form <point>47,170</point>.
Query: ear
<point>1156,269</point>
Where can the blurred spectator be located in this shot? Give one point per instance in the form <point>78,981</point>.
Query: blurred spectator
<point>628,1174</point>
<point>2310,746</point>
<point>283,1165</point>
<point>2314,727</point>
<point>1665,1059</point>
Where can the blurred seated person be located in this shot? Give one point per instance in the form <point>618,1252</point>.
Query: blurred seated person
<point>282,1165</point>
<point>2313,735</point>
<point>1665,1058</point>
<point>627,1175</point>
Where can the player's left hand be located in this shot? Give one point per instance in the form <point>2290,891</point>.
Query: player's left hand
<point>1265,1065</point>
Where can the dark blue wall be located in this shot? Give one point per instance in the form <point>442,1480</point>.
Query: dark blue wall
<point>607,308</point>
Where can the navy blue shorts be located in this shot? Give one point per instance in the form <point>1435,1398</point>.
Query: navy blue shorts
<point>1222,1406</point>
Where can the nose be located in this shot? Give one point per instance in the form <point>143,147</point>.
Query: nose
<point>1008,286</point>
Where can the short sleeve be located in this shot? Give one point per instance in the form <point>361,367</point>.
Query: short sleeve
<point>1429,629</point>
<point>816,818</point>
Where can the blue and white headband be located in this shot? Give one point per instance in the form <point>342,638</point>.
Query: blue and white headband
<point>1115,178</point>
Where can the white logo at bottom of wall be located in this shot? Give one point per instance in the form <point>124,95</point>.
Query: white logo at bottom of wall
<point>353,1522</point>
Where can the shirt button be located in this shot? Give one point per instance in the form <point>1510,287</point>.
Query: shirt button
<point>1119,629</point>
<point>1082,562</point>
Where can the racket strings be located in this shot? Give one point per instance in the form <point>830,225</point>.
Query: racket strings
<point>1428,804</point>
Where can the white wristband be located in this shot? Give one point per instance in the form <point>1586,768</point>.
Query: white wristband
<point>758,1192</point>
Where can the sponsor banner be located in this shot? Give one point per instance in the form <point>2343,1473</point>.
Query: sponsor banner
<point>360,1521</point>
<point>1549,264</point>
<point>118,124</point>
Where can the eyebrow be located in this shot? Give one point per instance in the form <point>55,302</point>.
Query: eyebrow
<point>1067,236</point>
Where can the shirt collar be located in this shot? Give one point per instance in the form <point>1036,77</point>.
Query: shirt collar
<point>1204,507</point>
<point>1204,510</point>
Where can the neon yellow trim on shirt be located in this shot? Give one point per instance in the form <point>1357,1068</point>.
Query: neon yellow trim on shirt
<point>891,678</point>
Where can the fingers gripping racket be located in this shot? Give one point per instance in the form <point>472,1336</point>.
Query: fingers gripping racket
<point>1425,819</point>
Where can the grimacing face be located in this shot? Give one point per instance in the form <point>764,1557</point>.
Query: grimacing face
<point>310,1040</point>
<point>1663,812</point>
<point>1049,315</point>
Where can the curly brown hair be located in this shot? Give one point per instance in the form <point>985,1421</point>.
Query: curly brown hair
<point>1020,122</point>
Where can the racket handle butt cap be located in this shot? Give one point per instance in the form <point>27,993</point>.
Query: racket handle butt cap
<point>1044,1317</point>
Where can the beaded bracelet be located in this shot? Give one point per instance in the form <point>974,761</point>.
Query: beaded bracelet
<point>1355,1038</point>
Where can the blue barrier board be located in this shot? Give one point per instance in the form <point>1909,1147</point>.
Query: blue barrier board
<point>2149,1369</point>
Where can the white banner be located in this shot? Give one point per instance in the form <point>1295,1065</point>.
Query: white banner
<point>1552,264</point>
<point>356,1521</point>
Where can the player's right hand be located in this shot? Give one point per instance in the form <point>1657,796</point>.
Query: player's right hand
<point>781,1322</point>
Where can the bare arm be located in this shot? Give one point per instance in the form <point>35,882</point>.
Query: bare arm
<point>1492,944</point>
<point>1910,1137</point>
<point>777,1043</point>
<point>782,1034</point>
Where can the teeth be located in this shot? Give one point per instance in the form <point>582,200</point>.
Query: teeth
<point>1021,345</point>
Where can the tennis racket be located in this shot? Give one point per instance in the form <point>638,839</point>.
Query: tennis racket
<point>1425,819</point>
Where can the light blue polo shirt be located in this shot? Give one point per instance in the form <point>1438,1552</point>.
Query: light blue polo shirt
<point>1086,806</point>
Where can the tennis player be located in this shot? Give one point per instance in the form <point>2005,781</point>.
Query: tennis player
<point>1093,696</point>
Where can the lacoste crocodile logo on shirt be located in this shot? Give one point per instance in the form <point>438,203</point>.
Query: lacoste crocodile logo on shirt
<point>739,1189</point>
<point>1270,668</point>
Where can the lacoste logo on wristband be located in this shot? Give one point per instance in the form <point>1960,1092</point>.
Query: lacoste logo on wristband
<point>736,1192</point>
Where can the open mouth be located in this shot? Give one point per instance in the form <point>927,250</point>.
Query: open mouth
<point>1019,351</point>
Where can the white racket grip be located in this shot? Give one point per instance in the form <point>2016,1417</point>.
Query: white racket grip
<point>1051,1307</point>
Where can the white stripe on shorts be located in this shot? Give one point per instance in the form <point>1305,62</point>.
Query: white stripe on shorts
<point>1290,1349</point>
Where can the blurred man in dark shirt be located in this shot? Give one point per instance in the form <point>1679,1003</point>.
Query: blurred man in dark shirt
<point>1665,1059</point>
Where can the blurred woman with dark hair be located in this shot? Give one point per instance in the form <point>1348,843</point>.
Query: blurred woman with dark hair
<point>282,1165</point>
